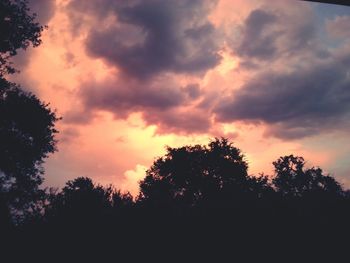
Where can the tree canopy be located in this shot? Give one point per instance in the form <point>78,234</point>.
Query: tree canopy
<point>27,125</point>
<point>27,137</point>
<point>18,30</point>
<point>292,179</point>
<point>193,175</point>
<point>83,200</point>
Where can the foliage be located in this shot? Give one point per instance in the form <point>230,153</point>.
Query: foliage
<point>81,199</point>
<point>27,137</point>
<point>195,199</point>
<point>18,31</point>
<point>191,175</point>
<point>293,180</point>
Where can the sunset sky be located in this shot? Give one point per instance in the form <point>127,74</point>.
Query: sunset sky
<point>130,77</point>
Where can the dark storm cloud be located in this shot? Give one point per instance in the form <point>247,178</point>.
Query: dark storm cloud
<point>257,40</point>
<point>299,87</point>
<point>150,42</point>
<point>146,38</point>
<point>161,102</point>
<point>307,101</point>
<point>121,100</point>
<point>174,109</point>
<point>268,35</point>
<point>193,91</point>
<point>179,121</point>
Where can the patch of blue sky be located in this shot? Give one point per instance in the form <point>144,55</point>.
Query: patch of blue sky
<point>324,12</point>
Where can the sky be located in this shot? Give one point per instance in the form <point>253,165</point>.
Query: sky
<point>131,77</point>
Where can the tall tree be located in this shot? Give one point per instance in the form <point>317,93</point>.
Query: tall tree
<point>18,31</point>
<point>27,133</point>
<point>27,137</point>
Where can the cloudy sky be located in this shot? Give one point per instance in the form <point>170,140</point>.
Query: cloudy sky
<point>130,77</point>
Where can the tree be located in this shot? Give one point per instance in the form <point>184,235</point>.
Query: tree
<point>27,137</point>
<point>192,175</point>
<point>26,124</point>
<point>18,31</point>
<point>122,200</point>
<point>293,180</point>
<point>82,199</point>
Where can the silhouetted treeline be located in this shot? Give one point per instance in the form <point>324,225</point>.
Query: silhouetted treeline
<point>200,197</point>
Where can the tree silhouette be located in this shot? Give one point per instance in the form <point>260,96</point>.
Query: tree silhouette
<point>122,200</point>
<point>18,30</point>
<point>27,137</point>
<point>293,180</point>
<point>312,205</point>
<point>26,124</point>
<point>81,199</point>
<point>196,175</point>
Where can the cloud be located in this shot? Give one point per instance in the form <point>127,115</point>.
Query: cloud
<point>123,98</point>
<point>158,50</point>
<point>273,33</point>
<point>132,178</point>
<point>181,121</point>
<point>68,135</point>
<point>146,38</point>
<point>79,116</point>
<point>258,41</point>
<point>306,101</point>
<point>162,102</point>
<point>296,84</point>
<point>70,59</point>
<point>193,91</point>
<point>339,27</point>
